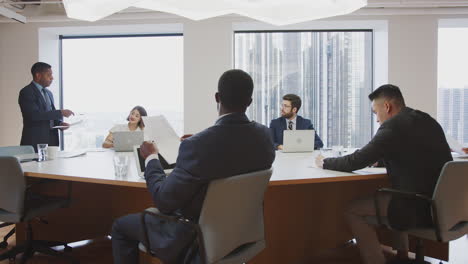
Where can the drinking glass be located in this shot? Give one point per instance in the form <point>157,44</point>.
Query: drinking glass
<point>42,152</point>
<point>120,165</point>
<point>326,152</point>
<point>337,151</point>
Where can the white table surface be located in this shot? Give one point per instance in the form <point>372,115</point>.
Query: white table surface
<point>97,167</point>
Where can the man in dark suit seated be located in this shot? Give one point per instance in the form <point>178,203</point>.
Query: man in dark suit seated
<point>233,145</point>
<point>413,148</point>
<point>38,110</point>
<point>289,120</point>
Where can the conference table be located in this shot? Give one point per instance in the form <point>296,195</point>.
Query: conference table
<point>304,205</point>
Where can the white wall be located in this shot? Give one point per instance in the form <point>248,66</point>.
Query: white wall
<point>412,64</point>
<point>412,60</point>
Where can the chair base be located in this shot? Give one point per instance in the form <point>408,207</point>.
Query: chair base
<point>40,246</point>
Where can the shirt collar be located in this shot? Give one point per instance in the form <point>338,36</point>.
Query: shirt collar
<point>221,116</point>
<point>38,86</point>
<point>293,120</point>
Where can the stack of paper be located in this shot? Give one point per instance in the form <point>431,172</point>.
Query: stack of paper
<point>157,128</point>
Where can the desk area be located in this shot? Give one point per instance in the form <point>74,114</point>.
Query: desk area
<point>303,205</point>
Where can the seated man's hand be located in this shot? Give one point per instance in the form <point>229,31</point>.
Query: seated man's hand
<point>319,161</point>
<point>65,124</point>
<point>148,148</point>
<point>280,147</point>
<point>465,150</point>
<point>184,137</point>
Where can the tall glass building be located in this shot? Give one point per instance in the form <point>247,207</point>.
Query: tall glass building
<point>330,70</point>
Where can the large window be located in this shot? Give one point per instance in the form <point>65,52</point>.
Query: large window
<point>452,110</point>
<point>105,77</point>
<point>330,70</point>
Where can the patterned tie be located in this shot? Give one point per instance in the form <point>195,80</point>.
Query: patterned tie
<point>290,125</point>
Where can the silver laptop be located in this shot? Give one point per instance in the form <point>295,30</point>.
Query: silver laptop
<point>125,140</point>
<point>298,140</point>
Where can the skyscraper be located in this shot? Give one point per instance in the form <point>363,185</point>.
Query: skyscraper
<point>330,71</point>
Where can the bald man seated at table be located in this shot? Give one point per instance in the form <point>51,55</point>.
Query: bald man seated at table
<point>217,152</point>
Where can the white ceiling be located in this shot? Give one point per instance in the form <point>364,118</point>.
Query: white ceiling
<point>52,10</point>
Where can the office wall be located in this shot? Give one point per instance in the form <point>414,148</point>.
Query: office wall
<point>412,64</point>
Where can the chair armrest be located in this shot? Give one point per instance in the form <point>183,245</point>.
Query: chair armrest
<point>394,192</point>
<point>39,182</point>
<point>45,181</point>
<point>406,194</point>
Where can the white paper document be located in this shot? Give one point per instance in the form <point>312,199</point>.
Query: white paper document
<point>454,145</point>
<point>157,128</point>
<point>71,124</point>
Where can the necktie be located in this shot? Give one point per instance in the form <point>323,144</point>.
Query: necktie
<point>47,100</point>
<point>290,125</point>
<point>48,105</point>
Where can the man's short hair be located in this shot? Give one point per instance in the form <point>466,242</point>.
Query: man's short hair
<point>294,99</point>
<point>235,89</point>
<point>389,92</point>
<point>39,67</point>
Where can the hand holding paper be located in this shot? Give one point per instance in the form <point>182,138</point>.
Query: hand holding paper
<point>157,128</point>
<point>148,148</point>
<point>64,125</point>
<point>454,145</point>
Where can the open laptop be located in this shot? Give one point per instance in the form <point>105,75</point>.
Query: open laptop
<point>125,140</point>
<point>298,140</point>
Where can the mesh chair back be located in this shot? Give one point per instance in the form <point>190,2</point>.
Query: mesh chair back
<point>232,213</point>
<point>16,150</point>
<point>12,185</point>
<point>451,200</point>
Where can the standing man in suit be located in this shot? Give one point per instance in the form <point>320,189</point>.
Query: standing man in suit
<point>233,145</point>
<point>38,109</point>
<point>414,149</point>
<point>289,120</point>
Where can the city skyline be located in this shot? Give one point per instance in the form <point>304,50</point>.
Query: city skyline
<point>330,71</point>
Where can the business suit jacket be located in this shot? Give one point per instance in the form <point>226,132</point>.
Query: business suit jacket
<point>36,119</point>
<point>234,145</point>
<point>414,149</point>
<point>277,126</point>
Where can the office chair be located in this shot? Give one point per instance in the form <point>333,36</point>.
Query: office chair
<point>18,204</point>
<point>12,151</point>
<point>230,229</point>
<point>449,205</point>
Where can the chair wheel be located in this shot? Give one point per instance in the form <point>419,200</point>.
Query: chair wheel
<point>67,249</point>
<point>3,244</point>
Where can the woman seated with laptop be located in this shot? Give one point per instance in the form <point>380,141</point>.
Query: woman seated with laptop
<point>135,123</point>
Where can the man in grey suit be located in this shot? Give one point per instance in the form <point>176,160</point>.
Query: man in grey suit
<point>38,109</point>
<point>233,145</point>
<point>413,148</point>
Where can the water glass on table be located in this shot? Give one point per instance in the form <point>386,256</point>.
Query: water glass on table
<point>337,151</point>
<point>120,165</point>
<point>42,152</point>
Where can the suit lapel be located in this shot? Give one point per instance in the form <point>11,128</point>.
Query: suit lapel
<point>283,123</point>
<point>42,103</point>
<point>298,122</point>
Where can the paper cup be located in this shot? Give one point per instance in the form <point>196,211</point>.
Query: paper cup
<point>52,152</point>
